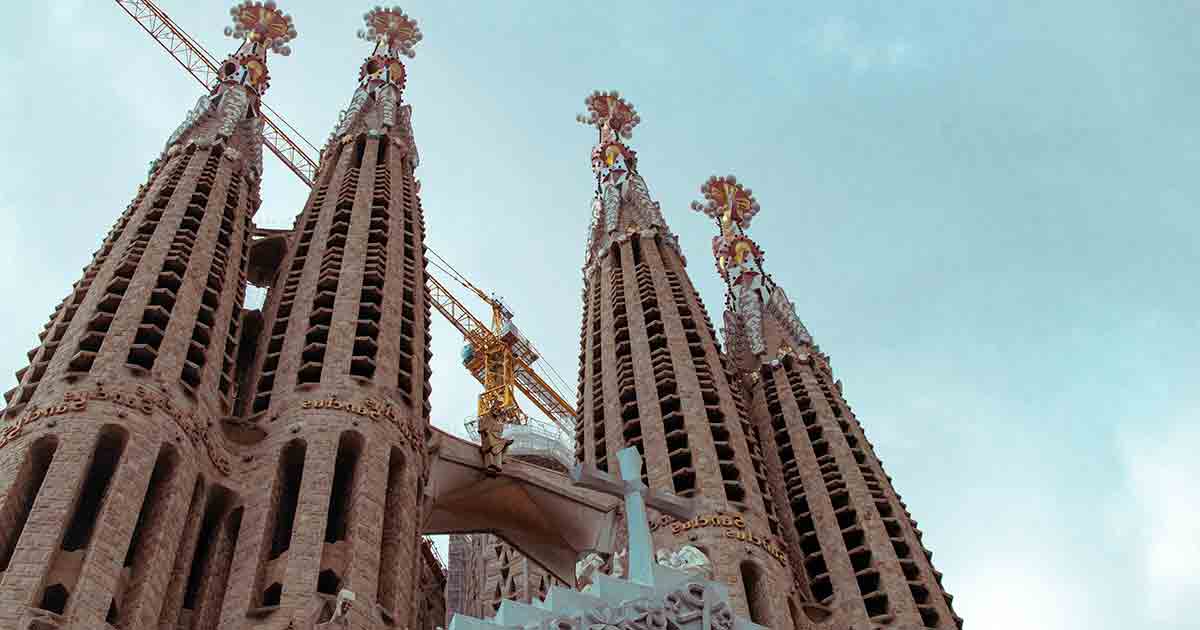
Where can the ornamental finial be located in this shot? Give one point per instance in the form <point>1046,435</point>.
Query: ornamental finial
<point>262,23</point>
<point>727,200</point>
<point>262,27</point>
<point>607,110</point>
<point>392,29</point>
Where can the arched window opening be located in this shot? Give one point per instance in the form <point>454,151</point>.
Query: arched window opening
<point>393,519</point>
<point>291,471</point>
<point>757,597</point>
<point>22,494</point>
<point>103,468</point>
<point>218,503</point>
<point>340,498</point>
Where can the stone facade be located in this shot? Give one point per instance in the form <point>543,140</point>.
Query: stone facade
<point>855,549</point>
<point>652,376</point>
<point>170,460</point>
<point>491,571</point>
<point>163,464</point>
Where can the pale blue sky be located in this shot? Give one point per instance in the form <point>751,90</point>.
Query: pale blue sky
<point>985,212</point>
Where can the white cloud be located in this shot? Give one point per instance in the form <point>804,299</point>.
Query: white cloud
<point>1162,518</point>
<point>1024,589</point>
<point>844,40</point>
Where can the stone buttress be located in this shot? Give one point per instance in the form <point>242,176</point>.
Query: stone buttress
<point>652,376</point>
<point>857,552</point>
<point>112,461</point>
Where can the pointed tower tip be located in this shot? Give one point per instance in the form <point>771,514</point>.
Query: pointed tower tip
<point>609,110</point>
<point>262,23</point>
<point>392,29</point>
<point>727,200</point>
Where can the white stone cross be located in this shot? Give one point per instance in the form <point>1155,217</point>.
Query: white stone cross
<point>637,497</point>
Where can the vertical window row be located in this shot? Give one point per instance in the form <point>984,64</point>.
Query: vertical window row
<point>820,585</point>
<point>146,534</point>
<point>391,550</point>
<point>320,318</point>
<point>210,300</point>
<point>866,573</point>
<point>580,424</point>
<point>157,315</point>
<point>338,517</point>
<point>599,430</point>
<point>285,499</point>
<point>408,306</point>
<point>631,424</point>
<point>735,492</point>
<point>92,496</point>
<point>56,327</point>
<point>106,310</point>
<point>888,515</point>
<point>370,302</point>
<point>233,332</point>
<point>754,441</point>
<point>426,320</point>
<point>287,300</point>
<point>683,470</point>
<point>208,573</point>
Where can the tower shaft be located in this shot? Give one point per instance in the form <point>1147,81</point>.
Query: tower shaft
<point>112,458</point>
<point>857,552</point>
<point>341,386</point>
<point>652,377</point>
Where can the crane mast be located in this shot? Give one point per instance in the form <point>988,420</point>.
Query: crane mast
<point>498,356</point>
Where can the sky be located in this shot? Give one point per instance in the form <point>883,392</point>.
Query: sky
<point>984,212</point>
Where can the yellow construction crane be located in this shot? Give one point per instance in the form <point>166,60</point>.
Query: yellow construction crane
<point>498,356</point>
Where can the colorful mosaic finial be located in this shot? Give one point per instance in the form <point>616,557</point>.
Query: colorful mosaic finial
<point>262,23</point>
<point>376,106</point>
<point>609,110</point>
<point>752,294</point>
<point>726,199</point>
<point>262,27</point>
<point>392,29</point>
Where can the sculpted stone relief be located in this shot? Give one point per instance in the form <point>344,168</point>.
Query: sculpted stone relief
<point>622,205</point>
<point>752,293</point>
<point>241,79</point>
<point>375,107</point>
<point>141,400</point>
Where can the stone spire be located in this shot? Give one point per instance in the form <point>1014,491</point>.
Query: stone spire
<point>857,553</point>
<point>653,377</point>
<point>119,491</point>
<point>341,382</point>
<point>622,204</point>
<point>375,107</point>
<point>229,114</point>
<point>752,294</point>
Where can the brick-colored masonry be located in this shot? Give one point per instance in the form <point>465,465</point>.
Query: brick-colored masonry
<point>854,548</point>
<point>114,432</point>
<point>652,376</point>
<point>165,465</point>
<point>171,461</point>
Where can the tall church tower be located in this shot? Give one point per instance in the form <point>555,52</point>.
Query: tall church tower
<point>112,439</point>
<point>341,390</point>
<point>855,548</point>
<point>652,376</point>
